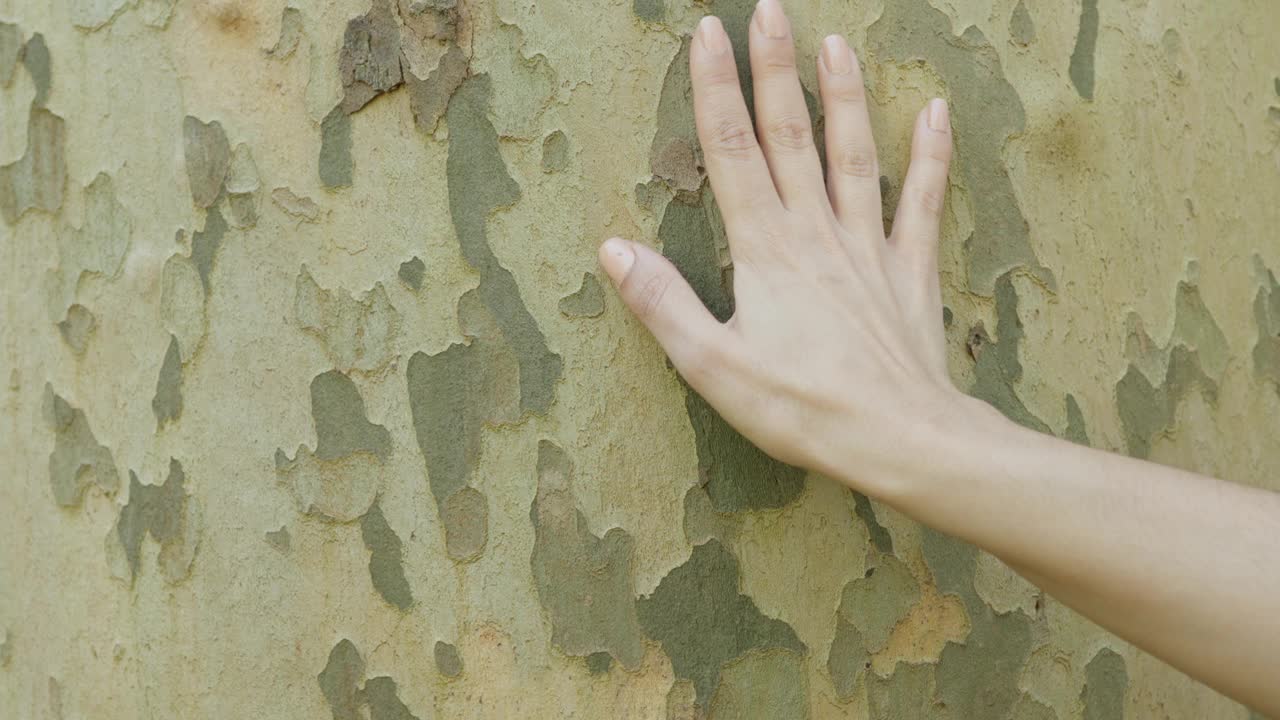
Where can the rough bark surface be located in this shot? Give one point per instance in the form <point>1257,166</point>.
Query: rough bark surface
<point>312,403</point>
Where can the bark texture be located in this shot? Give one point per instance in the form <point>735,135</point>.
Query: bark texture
<point>315,403</point>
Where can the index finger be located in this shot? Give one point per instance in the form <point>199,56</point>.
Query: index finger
<point>739,174</point>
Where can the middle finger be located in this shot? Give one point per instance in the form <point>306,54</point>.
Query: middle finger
<point>782,119</point>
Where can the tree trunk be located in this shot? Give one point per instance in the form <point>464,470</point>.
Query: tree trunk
<point>317,404</point>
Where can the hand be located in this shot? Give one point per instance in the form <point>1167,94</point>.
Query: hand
<point>835,355</point>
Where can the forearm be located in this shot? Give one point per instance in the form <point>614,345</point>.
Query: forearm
<point>1182,565</point>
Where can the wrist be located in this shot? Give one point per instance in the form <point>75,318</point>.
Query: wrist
<point>937,449</point>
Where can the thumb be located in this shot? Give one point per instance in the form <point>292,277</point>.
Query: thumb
<point>659,295</point>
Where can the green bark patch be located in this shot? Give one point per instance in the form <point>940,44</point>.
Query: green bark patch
<point>36,180</point>
<point>979,677</point>
<point>650,10</point>
<point>242,185</point>
<point>429,97</point>
<point>1082,57</point>
<point>454,394</point>
<point>703,621</point>
<point>1076,431</point>
<point>1266,313</point>
<point>10,51</point>
<point>1022,29</point>
<point>1105,683</point>
<point>163,512</point>
<point>505,370</point>
<point>870,608</point>
<point>448,661</point>
<point>76,328</point>
<point>878,533</point>
<point>335,149</point>
<point>768,685</point>
<point>279,539</point>
<point>291,33</point>
<point>77,460</point>
<point>598,663</point>
<point>675,157</point>
<point>997,368</point>
<point>1193,359</point>
<point>1147,410</point>
<point>736,474</point>
<point>340,681</point>
<point>986,111</point>
<point>583,581</point>
<point>348,694</point>
<point>412,272</point>
<point>1028,708</point>
<point>587,301</point>
<point>908,694</point>
<point>555,151</point>
<point>369,60</point>
<point>97,247</point>
<point>384,701</point>
<point>465,516</point>
<point>876,603</point>
<point>208,159</point>
<point>848,658</point>
<point>39,64</point>
<point>382,48</point>
<point>205,243</point>
<point>339,480</point>
<point>167,403</point>
<point>342,427</point>
<point>357,332</point>
<point>479,185</point>
<point>385,562</point>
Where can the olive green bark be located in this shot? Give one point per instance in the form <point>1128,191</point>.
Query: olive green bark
<point>167,404</point>
<point>1106,682</point>
<point>987,110</point>
<point>385,564</point>
<point>703,621</point>
<point>1082,57</point>
<point>364,232</point>
<point>78,459</point>
<point>162,512</point>
<point>587,301</point>
<point>448,661</point>
<point>583,580</point>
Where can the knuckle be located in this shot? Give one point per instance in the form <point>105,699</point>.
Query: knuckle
<point>848,90</point>
<point>650,295</point>
<point>792,132</point>
<point>930,199</point>
<point>700,360</point>
<point>779,62</point>
<point>939,152</point>
<point>731,137</point>
<point>856,161</point>
<point>718,75</point>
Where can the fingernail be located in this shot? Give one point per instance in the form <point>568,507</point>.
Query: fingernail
<point>773,23</point>
<point>939,117</point>
<point>711,35</point>
<point>836,55</point>
<point>617,257</point>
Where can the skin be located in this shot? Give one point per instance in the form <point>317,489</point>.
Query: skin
<point>835,361</point>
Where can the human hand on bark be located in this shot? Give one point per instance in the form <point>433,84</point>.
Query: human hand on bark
<point>835,353</point>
